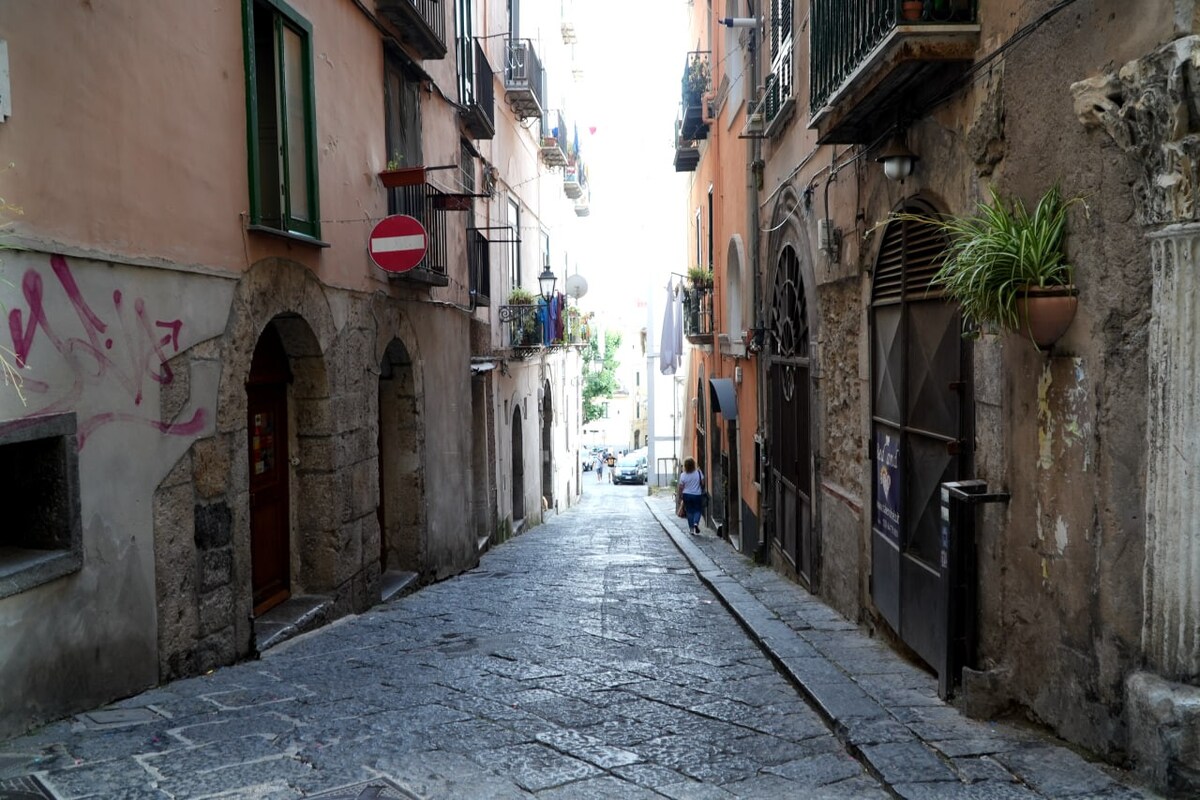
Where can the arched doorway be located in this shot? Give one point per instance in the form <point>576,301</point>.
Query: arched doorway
<point>401,509</point>
<point>790,409</point>
<point>547,446</point>
<point>518,467</point>
<point>920,400</point>
<point>270,492</point>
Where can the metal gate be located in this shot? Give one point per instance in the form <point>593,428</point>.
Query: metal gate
<point>920,393</point>
<point>790,398</point>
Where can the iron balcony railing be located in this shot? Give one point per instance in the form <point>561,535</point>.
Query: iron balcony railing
<point>687,155</point>
<point>523,326</point>
<point>698,314</point>
<point>845,33</point>
<point>421,23</point>
<point>697,80</point>
<point>523,78</point>
<point>419,202</point>
<point>477,89</point>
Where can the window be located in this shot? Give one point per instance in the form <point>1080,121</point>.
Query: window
<point>41,538</point>
<point>709,232</point>
<point>402,96</point>
<point>514,265</point>
<point>281,118</point>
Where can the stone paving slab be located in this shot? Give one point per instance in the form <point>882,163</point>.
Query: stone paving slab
<point>883,708</point>
<point>585,658</point>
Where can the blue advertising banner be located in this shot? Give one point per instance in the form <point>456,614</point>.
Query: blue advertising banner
<point>887,483</point>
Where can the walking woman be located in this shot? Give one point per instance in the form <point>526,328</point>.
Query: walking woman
<point>690,490</point>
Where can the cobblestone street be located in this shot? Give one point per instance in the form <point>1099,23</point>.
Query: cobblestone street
<point>585,658</point>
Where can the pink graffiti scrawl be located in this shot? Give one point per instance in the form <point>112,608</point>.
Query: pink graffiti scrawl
<point>125,350</point>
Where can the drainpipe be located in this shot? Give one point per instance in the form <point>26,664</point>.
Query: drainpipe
<point>754,175</point>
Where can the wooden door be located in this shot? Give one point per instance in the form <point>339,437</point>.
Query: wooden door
<point>267,429</point>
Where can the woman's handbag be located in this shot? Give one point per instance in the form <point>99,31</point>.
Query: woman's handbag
<point>680,511</point>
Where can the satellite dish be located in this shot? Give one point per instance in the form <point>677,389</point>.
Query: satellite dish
<point>576,286</point>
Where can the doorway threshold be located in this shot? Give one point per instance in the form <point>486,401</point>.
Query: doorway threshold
<point>289,619</point>
<point>394,583</point>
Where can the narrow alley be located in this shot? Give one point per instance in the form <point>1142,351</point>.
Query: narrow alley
<point>591,657</point>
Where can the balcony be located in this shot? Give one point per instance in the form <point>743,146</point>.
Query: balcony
<point>698,314</point>
<point>696,83</point>
<point>572,183</point>
<point>555,142</point>
<point>421,24</point>
<point>687,154</point>
<point>873,59</point>
<point>523,79</point>
<point>430,205</point>
<point>478,91</point>
<point>522,327</point>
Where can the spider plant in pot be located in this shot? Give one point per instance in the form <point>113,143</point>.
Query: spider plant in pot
<point>1006,266</point>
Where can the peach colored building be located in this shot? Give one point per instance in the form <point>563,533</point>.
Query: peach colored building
<point>720,308</point>
<point>223,422</point>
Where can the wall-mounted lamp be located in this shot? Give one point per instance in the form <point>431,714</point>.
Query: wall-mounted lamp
<point>897,159</point>
<point>546,283</point>
<point>739,22</point>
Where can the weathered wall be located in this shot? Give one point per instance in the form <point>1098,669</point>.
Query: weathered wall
<point>841,447</point>
<point>102,340</point>
<point>1070,591</point>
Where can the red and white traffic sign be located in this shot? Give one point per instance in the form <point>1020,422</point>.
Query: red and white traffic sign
<point>398,243</point>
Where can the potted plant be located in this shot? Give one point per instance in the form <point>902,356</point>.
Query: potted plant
<point>912,10</point>
<point>696,79</point>
<point>1006,266</point>
<point>700,277</point>
<point>396,174</point>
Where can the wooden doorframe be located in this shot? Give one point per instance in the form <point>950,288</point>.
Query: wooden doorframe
<point>269,472</point>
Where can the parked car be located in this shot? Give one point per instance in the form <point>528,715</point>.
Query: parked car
<point>631,468</point>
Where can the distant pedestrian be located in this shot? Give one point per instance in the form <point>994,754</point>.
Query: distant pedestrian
<point>690,490</point>
<point>611,460</point>
<point>599,468</point>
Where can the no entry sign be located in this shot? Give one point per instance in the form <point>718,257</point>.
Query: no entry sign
<point>397,243</point>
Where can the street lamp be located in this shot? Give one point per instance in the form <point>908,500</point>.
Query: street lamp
<point>546,282</point>
<point>897,159</point>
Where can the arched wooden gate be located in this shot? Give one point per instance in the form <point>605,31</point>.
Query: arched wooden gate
<point>789,403</point>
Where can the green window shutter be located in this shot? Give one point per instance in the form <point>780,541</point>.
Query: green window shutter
<point>281,118</point>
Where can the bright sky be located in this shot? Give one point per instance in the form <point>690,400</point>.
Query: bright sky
<point>633,58</point>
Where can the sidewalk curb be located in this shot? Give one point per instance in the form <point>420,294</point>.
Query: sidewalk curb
<point>906,763</point>
<point>835,698</point>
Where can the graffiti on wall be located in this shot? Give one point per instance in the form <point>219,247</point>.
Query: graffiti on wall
<point>113,343</point>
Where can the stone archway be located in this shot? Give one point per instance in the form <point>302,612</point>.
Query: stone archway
<point>547,446</point>
<point>401,509</point>
<point>518,468</point>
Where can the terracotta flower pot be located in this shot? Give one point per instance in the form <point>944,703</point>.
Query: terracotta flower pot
<point>912,10</point>
<point>402,176</point>
<point>1044,314</point>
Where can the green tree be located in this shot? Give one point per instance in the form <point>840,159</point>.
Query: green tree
<point>599,374</point>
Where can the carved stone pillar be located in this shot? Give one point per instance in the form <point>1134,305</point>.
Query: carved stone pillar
<point>1151,108</point>
<point>1171,624</point>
